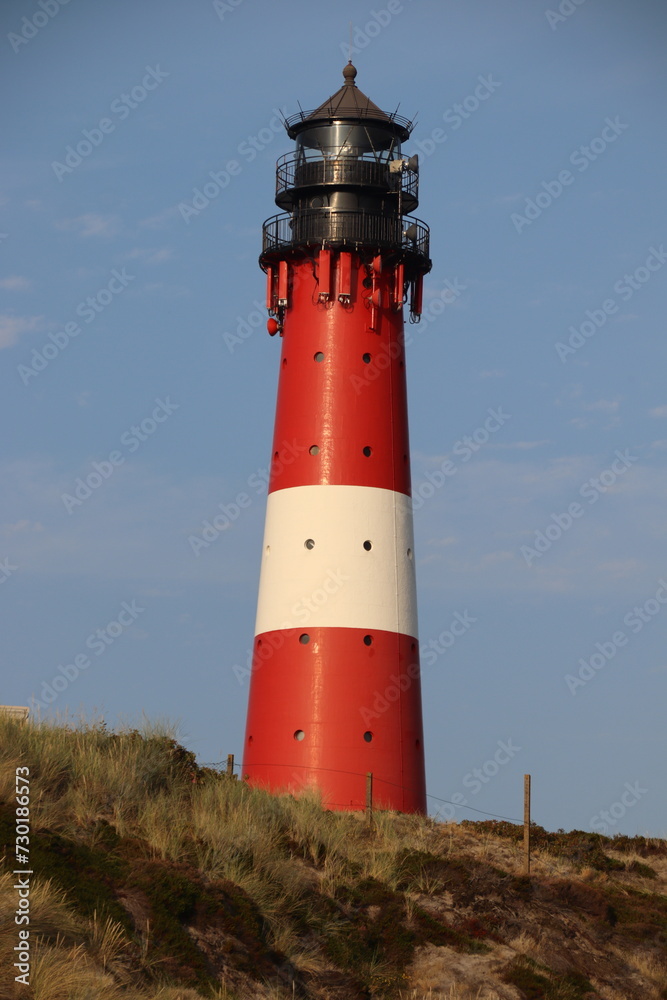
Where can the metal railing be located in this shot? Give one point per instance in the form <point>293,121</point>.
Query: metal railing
<point>323,226</point>
<point>317,168</point>
<point>362,114</point>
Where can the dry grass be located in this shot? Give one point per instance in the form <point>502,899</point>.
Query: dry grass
<point>284,852</point>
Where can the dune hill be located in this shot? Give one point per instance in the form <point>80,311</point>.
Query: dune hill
<point>157,879</point>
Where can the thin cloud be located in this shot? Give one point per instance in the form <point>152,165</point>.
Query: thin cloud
<point>15,283</point>
<point>521,445</point>
<point>91,224</point>
<point>161,219</point>
<point>150,255</point>
<point>11,328</point>
<point>603,405</point>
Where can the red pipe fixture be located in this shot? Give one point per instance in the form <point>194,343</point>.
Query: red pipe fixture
<point>269,289</point>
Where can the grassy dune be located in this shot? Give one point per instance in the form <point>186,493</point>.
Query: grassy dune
<point>157,879</point>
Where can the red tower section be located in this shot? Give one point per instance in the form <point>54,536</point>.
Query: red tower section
<point>335,687</point>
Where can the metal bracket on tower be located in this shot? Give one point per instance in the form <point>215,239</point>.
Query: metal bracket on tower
<point>345,278</point>
<point>324,275</point>
<point>376,292</point>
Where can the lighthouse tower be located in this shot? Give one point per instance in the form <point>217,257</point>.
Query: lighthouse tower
<point>335,686</point>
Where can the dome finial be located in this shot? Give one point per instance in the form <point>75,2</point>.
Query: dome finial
<point>349,74</point>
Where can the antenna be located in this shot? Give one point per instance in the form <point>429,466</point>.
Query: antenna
<point>349,51</point>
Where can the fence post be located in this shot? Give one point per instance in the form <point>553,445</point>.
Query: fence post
<point>526,823</point>
<point>369,797</point>
<point>230,765</point>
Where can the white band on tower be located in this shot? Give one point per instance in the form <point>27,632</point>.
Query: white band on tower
<point>338,556</point>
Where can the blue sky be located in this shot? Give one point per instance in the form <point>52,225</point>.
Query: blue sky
<point>541,141</point>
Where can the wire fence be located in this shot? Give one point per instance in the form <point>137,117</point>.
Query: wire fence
<point>360,774</point>
<point>435,798</point>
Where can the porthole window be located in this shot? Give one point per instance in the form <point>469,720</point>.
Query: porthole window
<point>304,638</point>
<point>299,735</point>
<point>275,454</point>
<point>309,543</point>
<point>318,356</point>
<point>368,736</point>
<point>267,549</point>
<point>368,640</point>
<point>284,362</point>
<point>314,450</point>
<point>368,451</point>
<point>409,553</point>
<point>368,545</point>
<point>366,358</point>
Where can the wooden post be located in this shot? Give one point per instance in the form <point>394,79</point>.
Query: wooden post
<point>526,823</point>
<point>369,797</point>
<point>230,765</point>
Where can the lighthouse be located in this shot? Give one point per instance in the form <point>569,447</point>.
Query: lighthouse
<point>335,690</point>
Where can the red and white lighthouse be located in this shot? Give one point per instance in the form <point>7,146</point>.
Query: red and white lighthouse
<point>335,688</point>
